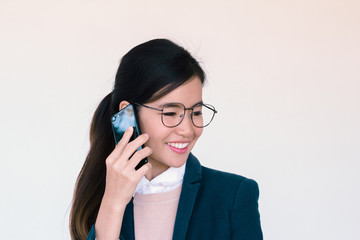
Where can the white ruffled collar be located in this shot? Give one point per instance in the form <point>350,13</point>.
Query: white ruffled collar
<point>165,182</point>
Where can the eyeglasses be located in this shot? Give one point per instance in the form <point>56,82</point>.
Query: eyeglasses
<point>172,114</point>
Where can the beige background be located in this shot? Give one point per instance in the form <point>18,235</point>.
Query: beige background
<point>284,76</point>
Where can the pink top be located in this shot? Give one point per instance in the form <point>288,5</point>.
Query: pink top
<point>154,214</point>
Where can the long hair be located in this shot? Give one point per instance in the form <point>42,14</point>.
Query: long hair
<point>146,73</point>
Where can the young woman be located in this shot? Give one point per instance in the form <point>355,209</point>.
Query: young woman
<point>172,196</point>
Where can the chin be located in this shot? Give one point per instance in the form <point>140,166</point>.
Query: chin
<point>178,164</point>
<point>180,160</point>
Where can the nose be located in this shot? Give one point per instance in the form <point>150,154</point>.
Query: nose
<point>186,127</point>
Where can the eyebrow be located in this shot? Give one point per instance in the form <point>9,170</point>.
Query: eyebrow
<point>172,104</point>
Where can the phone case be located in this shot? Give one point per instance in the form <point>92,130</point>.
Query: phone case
<point>123,120</point>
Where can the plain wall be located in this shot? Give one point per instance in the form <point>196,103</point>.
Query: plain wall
<point>284,76</point>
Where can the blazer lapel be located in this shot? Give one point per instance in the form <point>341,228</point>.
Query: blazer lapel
<point>127,230</point>
<point>190,188</point>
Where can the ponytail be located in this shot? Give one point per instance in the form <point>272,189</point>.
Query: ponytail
<point>90,185</point>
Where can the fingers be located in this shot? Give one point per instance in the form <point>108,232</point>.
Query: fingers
<point>124,147</point>
<point>138,156</point>
<point>132,146</point>
<point>125,150</point>
<point>120,171</point>
<point>143,170</point>
<point>121,145</point>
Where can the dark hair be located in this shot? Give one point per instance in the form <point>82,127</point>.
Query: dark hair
<point>146,73</point>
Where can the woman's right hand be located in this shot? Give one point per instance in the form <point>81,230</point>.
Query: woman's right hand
<point>121,176</point>
<point>121,182</point>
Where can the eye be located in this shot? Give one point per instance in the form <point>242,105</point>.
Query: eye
<point>169,114</point>
<point>197,113</point>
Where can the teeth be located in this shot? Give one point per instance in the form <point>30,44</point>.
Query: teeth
<point>179,145</point>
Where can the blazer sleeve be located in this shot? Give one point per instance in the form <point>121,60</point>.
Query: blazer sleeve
<point>245,217</point>
<point>91,235</point>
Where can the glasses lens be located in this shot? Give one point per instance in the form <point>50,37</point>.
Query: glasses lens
<point>202,115</point>
<point>172,114</point>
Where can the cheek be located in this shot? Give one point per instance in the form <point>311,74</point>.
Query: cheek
<point>198,132</point>
<point>152,126</point>
<point>146,122</point>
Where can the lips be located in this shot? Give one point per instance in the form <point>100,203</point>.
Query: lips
<point>178,147</point>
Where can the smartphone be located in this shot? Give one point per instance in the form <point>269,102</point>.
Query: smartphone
<point>123,120</point>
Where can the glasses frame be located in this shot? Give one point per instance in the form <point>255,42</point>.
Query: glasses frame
<point>209,106</point>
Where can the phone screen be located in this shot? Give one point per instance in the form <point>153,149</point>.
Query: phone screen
<point>123,120</point>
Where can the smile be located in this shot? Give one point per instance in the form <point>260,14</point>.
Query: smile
<point>178,147</point>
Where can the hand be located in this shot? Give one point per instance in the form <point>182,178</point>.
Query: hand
<point>121,176</point>
<point>121,182</point>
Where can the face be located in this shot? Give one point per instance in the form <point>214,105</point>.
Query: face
<point>171,146</point>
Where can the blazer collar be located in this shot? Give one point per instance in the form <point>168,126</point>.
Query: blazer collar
<point>189,190</point>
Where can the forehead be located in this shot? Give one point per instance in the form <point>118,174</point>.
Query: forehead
<point>187,94</point>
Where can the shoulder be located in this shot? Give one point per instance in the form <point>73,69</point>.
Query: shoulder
<point>219,182</point>
<point>225,201</point>
<point>210,173</point>
<point>235,194</point>
<point>196,171</point>
<point>228,180</point>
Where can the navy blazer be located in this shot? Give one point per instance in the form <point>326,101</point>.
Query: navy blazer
<point>212,205</point>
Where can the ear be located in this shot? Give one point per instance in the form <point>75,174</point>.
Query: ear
<point>123,104</point>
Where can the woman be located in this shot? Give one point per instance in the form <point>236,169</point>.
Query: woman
<point>172,196</point>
